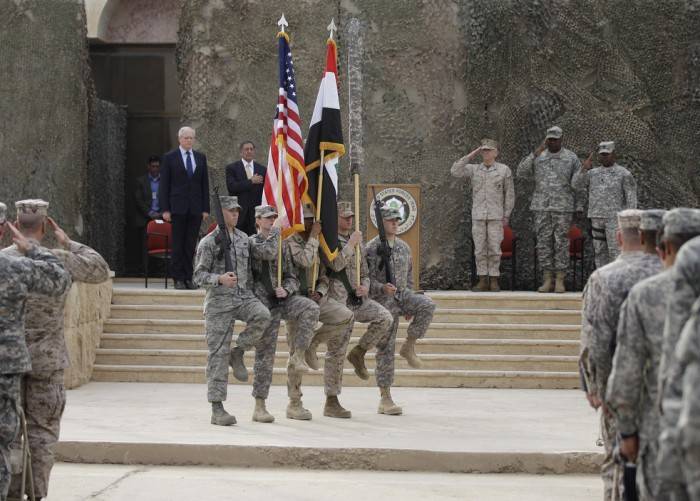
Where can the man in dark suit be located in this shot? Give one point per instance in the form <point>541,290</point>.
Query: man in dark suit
<point>245,179</point>
<point>184,199</point>
<point>146,206</point>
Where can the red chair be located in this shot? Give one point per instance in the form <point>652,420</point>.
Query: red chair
<point>508,253</point>
<point>158,245</point>
<point>576,251</point>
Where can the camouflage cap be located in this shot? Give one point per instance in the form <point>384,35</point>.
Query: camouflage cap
<point>309,211</point>
<point>32,206</point>
<point>651,220</point>
<point>682,221</point>
<point>3,213</point>
<point>345,209</point>
<point>390,213</point>
<point>229,202</point>
<point>265,211</point>
<point>489,144</point>
<point>629,219</point>
<point>554,132</point>
<point>606,147</point>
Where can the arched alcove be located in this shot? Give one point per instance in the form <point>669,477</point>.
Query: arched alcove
<point>134,21</point>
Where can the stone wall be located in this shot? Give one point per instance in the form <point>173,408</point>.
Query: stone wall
<point>87,308</point>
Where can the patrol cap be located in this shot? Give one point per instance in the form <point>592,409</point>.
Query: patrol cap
<point>606,147</point>
<point>345,209</point>
<point>629,219</point>
<point>32,206</point>
<point>3,213</point>
<point>681,221</point>
<point>229,202</point>
<point>651,220</point>
<point>308,211</point>
<point>265,211</point>
<point>390,213</point>
<point>554,132</point>
<point>489,144</point>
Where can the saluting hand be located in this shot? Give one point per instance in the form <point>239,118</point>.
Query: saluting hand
<point>541,148</point>
<point>474,153</point>
<point>22,243</point>
<point>61,236</point>
<point>588,163</point>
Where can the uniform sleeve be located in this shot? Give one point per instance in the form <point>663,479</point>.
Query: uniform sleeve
<point>526,165</point>
<point>45,274</point>
<point>509,195</point>
<point>626,379</point>
<point>603,334</point>
<point>83,263</point>
<point>290,282</point>
<point>580,194</point>
<point>462,168</point>
<point>580,179</point>
<point>304,254</point>
<point>267,249</point>
<point>688,423</point>
<point>322,282</point>
<point>364,271</point>
<point>629,186</point>
<point>204,265</point>
<point>409,278</point>
<point>343,258</point>
<point>586,334</point>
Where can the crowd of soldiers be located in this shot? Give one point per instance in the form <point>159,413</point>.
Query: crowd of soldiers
<point>34,285</point>
<point>310,290</point>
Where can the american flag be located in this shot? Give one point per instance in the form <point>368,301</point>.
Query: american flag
<point>285,182</point>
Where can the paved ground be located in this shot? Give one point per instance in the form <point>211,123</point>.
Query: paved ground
<point>79,482</point>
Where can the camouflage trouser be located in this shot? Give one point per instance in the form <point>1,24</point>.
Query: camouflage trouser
<point>44,400</point>
<point>689,430</point>
<point>421,308</point>
<point>380,321</point>
<point>552,230</point>
<point>487,235</point>
<point>647,479</point>
<point>668,461</point>
<point>336,320</point>
<point>609,470</point>
<point>604,240</point>
<point>298,309</point>
<point>219,332</point>
<point>9,425</point>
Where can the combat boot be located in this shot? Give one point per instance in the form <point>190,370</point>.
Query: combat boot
<point>334,409</point>
<point>297,364</point>
<point>295,410</point>
<point>219,416</point>
<point>310,355</point>
<point>560,287</point>
<point>482,285</point>
<point>547,285</point>
<point>387,405</point>
<point>235,360</point>
<point>357,358</point>
<point>260,414</point>
<point>408,351</point>
<point>493,284</point>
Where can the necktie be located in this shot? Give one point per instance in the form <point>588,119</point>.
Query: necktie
<point>188,164</point>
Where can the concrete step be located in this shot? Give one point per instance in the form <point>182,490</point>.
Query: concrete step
<point>404,377</point>
<point>443,299</point>
<point>426,345</point>
<point>430,361</point>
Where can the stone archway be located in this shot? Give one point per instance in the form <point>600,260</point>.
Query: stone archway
<point>133,21</point>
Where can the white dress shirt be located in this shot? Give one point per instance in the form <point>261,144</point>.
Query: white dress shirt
<point>183,152</point>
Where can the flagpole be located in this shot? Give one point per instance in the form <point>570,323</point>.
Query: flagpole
<point>319,196</point>
<point>358,257</point>
<point>279,197</point>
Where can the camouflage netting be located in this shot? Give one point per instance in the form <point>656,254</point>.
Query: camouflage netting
<point>104,219</point>
<point>44,106</point>
<point>439,75</point>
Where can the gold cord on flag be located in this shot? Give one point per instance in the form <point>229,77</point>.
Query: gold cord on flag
<point>319,195</point>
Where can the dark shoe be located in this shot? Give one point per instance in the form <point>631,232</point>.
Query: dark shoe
<point>180,285</point>
<point>190,285</point>
<point>483,284</point>
<point>220,417</point>
<point>236,363</point>
<point>334,409</point>
<point>493,284</point>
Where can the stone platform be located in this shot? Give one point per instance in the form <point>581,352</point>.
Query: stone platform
<point>442,430</point>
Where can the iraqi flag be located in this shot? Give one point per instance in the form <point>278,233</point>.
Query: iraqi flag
<point>326,135</point>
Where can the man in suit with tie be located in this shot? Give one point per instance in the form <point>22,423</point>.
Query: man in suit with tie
<point>183,196</point>
<point>245,179</point>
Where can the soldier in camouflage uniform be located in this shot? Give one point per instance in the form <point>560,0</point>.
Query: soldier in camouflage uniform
<point>684,292</point>
<point>604,294</point>
<point>335,330</point>
<point>611,188</point>
<point>283,303</point>
<point>553,202</point>
<point>632,394</point>
<point>43,393</point>
<point>493,198</point>
<point>345,289</point>
<point>229,298</point>
<point>399,299</point>
<point>40,272</point>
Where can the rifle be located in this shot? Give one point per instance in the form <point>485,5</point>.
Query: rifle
<point>384,250</point>
<point>223,239</point>
<point>629,473</point>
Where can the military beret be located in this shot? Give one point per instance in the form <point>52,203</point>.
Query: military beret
<point>390,213</point>
<point>629,219</point>
<point>3,213</point>
<point>651,220</point>
<point>265,211</point>
<point>554,132</point>
<point>345,209</point>
<point>606,147</point>
<point>229,202</point>
<point>682,221</point>
<point>309,211</point>
<point>489,144</point>
<point>32,206</point>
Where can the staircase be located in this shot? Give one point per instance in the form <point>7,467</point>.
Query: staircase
<point>489,340</point>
